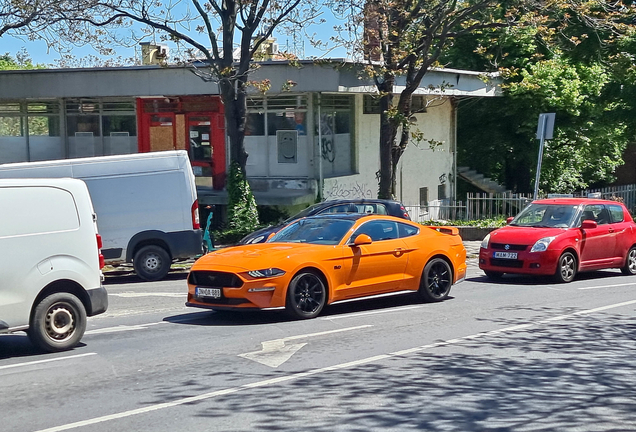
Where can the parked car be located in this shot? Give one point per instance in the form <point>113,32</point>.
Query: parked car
<point>146,203</point>
<point>367,206</point>
<point>561,237</point>
<point>324,259</point>
<point>50,277</point>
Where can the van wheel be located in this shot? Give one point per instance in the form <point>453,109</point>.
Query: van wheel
<point>152,263</point>
<point>58,322</point>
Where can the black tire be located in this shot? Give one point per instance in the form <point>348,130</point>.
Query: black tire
<point>58,322</point>
<point>436,281</point>
<point>492,275</point>
<point>630,262</point>
<point>152,263</point>
<point>566,268</point>
<point>306,295</point>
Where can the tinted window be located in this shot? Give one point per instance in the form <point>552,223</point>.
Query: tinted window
<point>616,212</point>
<point>371,208</point>
<point>341,208</point>
<point>407,230</point>
<point>378,230</point>
<point>596,212</point>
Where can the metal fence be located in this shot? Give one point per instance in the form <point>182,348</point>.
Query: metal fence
<point>627,193</point>
<point>477,206</point>
<point>495,206</point>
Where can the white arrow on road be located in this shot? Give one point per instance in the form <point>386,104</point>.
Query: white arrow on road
<point>274,352</point>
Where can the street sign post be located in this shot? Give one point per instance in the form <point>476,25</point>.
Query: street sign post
<point>545,129</point>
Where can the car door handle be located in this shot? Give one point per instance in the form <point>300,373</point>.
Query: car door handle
<point>611,230</point>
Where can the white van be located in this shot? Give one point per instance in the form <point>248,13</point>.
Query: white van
<point>50,277</point>
<point>146,204</point>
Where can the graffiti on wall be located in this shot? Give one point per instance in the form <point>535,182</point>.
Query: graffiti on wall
<point>347,190</point>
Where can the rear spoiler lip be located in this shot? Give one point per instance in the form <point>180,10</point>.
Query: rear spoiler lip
<point>451,230</point>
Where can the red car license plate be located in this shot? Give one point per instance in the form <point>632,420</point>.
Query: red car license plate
<point>207,292</point>
<point>506,255</point>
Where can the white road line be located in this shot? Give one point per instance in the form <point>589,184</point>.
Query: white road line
<point>122,328</point>
<point>46,361</point>
<point>340,366</point>
<point>607,286</point>
<point>353,315</point>
<point>305,336</point>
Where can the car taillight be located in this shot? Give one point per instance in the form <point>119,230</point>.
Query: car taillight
<point>99,251</point>
<point>195,215</point>
<point>406,214</point>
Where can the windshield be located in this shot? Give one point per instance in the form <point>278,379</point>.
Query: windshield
<point>546,216</point>
<point>327,231</point>
<point>302,214</point>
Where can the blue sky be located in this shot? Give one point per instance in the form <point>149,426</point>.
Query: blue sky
<point>39,54</point>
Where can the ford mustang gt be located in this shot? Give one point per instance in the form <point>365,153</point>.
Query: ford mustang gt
<point>320,260</point>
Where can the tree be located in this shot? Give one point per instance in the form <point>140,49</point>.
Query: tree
<point>408,37</point>
<point>219,40</point>
<point>568,63</point>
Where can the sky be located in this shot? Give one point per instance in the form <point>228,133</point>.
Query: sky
<point>39,53</point>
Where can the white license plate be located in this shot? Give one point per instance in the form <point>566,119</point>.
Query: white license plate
<point>207,292</point>
<point>506,255</point>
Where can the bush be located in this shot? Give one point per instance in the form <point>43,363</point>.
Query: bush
<point>481,223</point>
<point>242,213</point>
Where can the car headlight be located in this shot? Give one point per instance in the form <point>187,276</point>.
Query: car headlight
<point>542,244</point>
<point>265,273</point>
<point>484,242</point>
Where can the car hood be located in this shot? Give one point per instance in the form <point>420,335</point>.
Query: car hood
<point>523,235</point>
<point>254,256</point>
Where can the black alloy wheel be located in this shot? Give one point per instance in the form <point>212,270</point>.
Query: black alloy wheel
<point>436,281</point>
<point>306,295</point>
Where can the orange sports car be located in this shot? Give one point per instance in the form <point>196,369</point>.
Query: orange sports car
<point>325,259</point>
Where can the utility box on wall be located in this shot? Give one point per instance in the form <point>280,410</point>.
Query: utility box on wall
<point>287,144</point>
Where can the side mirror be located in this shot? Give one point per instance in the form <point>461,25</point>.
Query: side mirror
<point>588,224</point>
<point>362,239</point>
<point>508,220</point>
<point>270,236</point>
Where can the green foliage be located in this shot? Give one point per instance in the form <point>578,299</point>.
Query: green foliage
<point>20,61</point>
<point>242,211</point>
<point>481,223</point>
<point>582,70</point>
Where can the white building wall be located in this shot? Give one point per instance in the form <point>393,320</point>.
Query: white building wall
<point>420,166</point>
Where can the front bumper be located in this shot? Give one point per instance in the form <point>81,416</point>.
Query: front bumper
<point>97,301</point>
<point>531,263</point>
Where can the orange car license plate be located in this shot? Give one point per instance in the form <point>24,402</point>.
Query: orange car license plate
<point>506,255</point>
<point>208,292</point>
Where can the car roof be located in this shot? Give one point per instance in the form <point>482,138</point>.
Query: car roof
<point>354,216</point>
<point>574,201</point>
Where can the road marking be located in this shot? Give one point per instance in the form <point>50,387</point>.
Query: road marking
<point>353,315</point>
<point>46,361</point>
<point>122,328</point>
<point>607,286</point>
<point>146,294</point>
<point>294,376</point>
<point>275,352</point>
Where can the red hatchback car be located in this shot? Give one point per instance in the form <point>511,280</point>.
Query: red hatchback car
<point>561,237</point>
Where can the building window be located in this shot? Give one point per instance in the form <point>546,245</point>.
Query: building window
<point>423,196</point>
<point>287,113</point>
<point>334,128</point>
<point>371,104</point>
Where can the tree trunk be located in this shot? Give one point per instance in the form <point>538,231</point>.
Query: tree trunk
<point>387,137</point>
<point>235,112</point>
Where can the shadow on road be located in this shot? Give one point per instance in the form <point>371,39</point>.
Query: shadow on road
<point>115,279</point>
<point>517,279</point>
<point>19,345</point>
<point>571,375</point>
<point>255,317</point>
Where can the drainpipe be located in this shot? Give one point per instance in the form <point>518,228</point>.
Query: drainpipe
<point>320,178</point>
<point>454,104</point>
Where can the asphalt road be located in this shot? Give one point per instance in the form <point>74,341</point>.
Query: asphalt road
<point>520,355</point>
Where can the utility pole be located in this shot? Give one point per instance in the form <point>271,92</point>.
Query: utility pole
<point>545,129</point>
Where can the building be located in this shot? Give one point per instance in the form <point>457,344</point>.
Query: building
<point>320,138</point>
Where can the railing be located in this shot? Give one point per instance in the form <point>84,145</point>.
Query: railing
<point>494,206</point>
<point>627,193</point>
<point>477,206</point>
